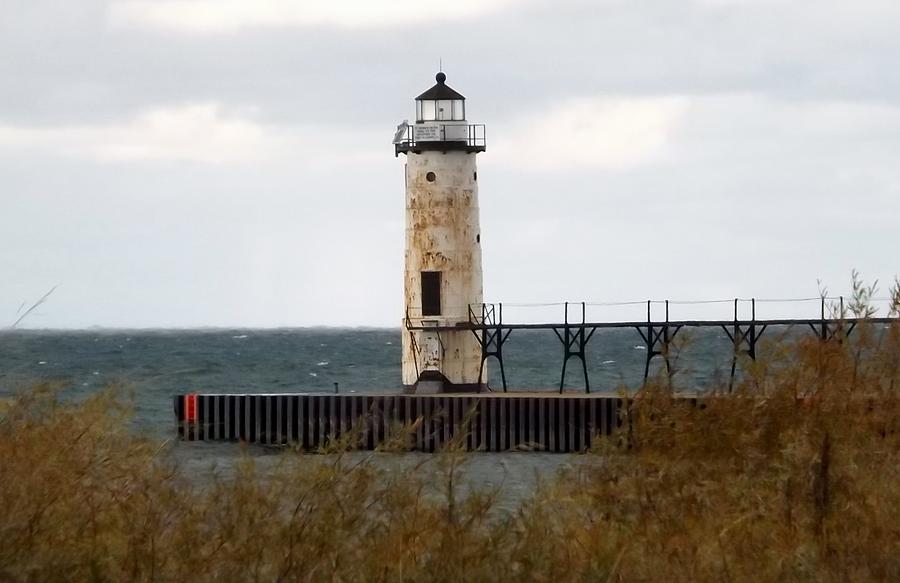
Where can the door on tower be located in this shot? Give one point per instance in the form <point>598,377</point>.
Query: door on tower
<point>431,293</point>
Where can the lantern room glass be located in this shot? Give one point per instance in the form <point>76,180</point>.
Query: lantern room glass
<point>440,110</point>
<point>459,110</point>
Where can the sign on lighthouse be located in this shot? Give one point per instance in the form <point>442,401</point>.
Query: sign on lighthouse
<point>442,276</point>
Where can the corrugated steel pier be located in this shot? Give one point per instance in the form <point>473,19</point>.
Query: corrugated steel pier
<point>483,422</point>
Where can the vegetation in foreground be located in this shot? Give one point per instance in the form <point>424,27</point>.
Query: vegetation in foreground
<point>795,476</point>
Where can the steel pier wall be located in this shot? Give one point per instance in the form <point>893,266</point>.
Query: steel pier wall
<point>554,423</point>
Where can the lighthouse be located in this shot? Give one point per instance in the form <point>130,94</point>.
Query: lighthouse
<point>442,275</point>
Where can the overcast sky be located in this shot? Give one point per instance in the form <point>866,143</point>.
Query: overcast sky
<point>229,163</point>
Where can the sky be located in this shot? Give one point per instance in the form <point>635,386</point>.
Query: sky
<point>188,163</point>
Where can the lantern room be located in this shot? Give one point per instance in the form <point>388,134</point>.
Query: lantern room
<point>440,124</point>
<point>440,103</point>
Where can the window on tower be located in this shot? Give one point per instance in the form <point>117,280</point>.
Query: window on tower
<point>459,109</point>
<point>431,293</point>
<point>428,110</point>
<point>445,111</point>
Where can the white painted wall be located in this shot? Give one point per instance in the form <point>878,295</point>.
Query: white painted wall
<point>442,234</point>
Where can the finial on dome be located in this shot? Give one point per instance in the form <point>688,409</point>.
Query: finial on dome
<point>440,77</point>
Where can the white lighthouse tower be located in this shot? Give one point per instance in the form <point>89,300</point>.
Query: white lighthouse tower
<point>442,276</point>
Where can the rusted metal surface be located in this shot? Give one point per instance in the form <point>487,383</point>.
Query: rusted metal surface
<point>442,234</point>
<point>485,422</point>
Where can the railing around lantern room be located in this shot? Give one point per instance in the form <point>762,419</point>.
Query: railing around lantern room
<point>466,137</point>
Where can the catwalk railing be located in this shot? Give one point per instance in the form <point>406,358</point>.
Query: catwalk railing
<point>467,137</point>
<point>835,321</point>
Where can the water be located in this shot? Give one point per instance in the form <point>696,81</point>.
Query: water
<point>160,364</point>
<point>155,365</point>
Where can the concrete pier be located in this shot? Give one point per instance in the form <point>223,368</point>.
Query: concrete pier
<point>483,422</point>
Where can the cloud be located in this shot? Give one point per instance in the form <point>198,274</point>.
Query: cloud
<point>606,133</point>
<point>762,127</point>
<point>199,133</point>
<point>620,134</point>
<point>193,133</point>
<point>222,16</point>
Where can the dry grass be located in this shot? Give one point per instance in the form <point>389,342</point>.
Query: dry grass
<point>83,499</point>
<point>794,477</point>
